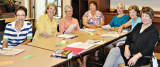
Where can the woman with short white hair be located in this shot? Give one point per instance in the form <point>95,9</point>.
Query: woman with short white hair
<point>65,22</point>
<point>119,19</point>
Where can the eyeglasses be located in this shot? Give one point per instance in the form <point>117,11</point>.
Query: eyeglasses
<point>21,15</point>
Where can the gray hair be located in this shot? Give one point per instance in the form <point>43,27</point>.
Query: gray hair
<point>122,5</point>
<point>68,7</point>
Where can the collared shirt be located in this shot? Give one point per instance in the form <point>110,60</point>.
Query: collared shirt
<point>136,22</point>
<point>44,25</point>
<point>14,37</point>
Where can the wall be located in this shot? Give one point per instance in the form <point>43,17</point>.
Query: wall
<point>40,6</point>
<point>65,2</point>
<point>155,4</point>
<point>26,4</point>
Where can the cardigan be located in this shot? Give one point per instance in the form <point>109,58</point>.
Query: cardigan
<point>143,42</point>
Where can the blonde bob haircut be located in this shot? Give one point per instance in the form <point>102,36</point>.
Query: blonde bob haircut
<point>68,7</point>
<point>122,5</point>
<point>45,12</point>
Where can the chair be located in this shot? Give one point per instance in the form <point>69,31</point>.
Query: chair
<point>2,25</point>
<point>81,24</point>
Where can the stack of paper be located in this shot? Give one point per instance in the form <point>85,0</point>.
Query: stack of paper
<point>87,30</point>
<point>10,51</point>
<point>110,35</point>
<point>95,41</point>
<point>107,27</point>
<point>67,36</point>
<point>80,45</point>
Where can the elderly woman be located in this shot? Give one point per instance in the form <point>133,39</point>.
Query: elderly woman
<point>119,19</point>
<point>93,18</point>
<point>139,43</point>
<point>134,13</point>
<point>18,32</point>
<point>46,25</point>
<point>65,22</point>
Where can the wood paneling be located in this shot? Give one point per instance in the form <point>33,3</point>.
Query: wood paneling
<point>103,5</point>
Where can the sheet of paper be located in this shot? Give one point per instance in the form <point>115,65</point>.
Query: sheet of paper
<point>28,57</point>
<point>95,41</point>
<point>87,30</point>
<point>69,30</point>
<point>107,27</point>
<point>66,36</point>
<point>10,51</point>
<point>80,45</point>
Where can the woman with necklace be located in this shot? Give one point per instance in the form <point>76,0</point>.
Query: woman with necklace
<point>18,32</point>
<point>93,18</point>
<point>119,19</point>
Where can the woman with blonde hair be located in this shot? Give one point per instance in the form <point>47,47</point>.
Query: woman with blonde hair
<point>65,22</point>
<point>46,24</point>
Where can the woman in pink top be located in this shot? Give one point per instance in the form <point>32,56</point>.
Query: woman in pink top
<point>68,20</point>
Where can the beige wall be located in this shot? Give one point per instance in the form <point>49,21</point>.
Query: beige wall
<point>155,4</point>
<point>66,2</point>
<point>26,4</point>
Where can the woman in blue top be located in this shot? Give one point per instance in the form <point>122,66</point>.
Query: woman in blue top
<point>134,13</point>
<point>18,32</point>
<point>119,19</point>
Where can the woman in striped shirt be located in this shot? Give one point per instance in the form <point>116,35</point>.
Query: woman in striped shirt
<point>18,32</point>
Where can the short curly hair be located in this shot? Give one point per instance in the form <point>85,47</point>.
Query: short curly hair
<point>135,8</point>
<point>21,8</point>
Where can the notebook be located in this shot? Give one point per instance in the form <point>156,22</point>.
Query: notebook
<point>69,30</point>
<point>10,51</point>
<point>75,51</point>
<point>67,36</point>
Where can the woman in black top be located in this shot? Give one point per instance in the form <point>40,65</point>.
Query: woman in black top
<point>139,43</point>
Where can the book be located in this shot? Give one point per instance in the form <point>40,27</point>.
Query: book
<point>67,36</point>
<point>60,53</point>
<point>10,51</point>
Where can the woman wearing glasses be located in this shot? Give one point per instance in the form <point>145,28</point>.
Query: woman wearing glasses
<point>18,32</point>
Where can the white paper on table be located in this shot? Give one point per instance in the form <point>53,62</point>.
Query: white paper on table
<point>107,27</point>
<point>110,35</point>
<point>69,30</point>
<point>95,41</point>
<point>80,45</point>
<point>87,30</point>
